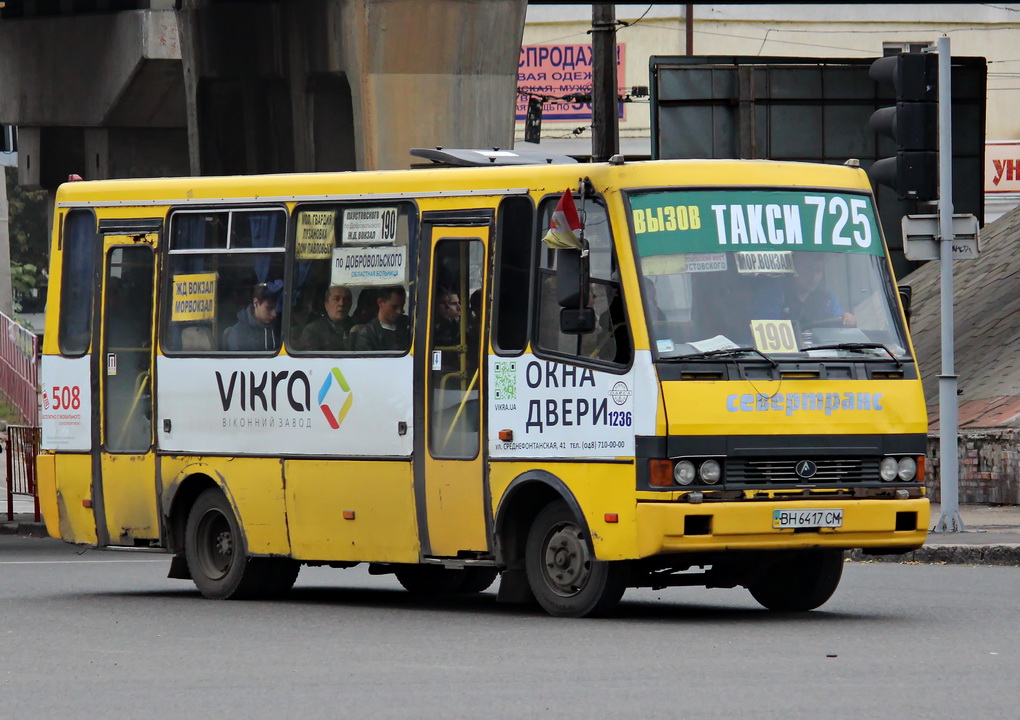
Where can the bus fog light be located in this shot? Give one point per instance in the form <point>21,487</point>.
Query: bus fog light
<point>683,473</point>
<point>710,472</point>
<point>907,469</point>
<point>889,469</point>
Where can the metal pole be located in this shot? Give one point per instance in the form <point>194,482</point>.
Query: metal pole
<point>689,25</point>
<point>604,101</point>
<point>949,520</point>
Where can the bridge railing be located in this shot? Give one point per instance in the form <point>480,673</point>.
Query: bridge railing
<point>20,452</point>
<point>19,369</point>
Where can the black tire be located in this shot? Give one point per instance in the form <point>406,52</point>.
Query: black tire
<point>799,581</point>
<point>430,580</point>
<point>216,551</point>
<point>563,573</point>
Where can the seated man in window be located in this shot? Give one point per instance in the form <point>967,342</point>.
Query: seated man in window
<point>389,329</point>
<point>330,331</point>
<point>804,298</point>
<point>255,328</point>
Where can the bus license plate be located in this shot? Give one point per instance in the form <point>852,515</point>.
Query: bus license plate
<point>807,518</point>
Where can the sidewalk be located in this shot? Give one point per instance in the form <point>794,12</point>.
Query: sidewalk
<point>24,517</point>
<point>991,535</point>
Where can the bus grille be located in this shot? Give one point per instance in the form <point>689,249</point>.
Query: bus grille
<point>831,471</point>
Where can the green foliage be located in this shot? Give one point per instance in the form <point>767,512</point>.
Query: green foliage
<point>29,234</point>
<point>8,413</point>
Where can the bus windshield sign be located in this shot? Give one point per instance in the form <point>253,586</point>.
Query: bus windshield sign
<point>732,220</point>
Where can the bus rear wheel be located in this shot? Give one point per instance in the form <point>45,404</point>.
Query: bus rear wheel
<point>563,573</point>
<point>216,552</point>
<point>799,581</point>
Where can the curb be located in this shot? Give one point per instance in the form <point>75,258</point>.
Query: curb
<point>25,529</point>
<point>1002,554</point>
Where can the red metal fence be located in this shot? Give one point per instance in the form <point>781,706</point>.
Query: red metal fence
<point>19,383</point>
<point>19,368</point>
<point>20,452</point>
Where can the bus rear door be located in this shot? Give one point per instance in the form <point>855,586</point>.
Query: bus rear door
<point>124,490</point>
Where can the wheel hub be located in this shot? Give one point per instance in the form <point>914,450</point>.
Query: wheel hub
<point>567,560</point>
<point>215,545</point>
<point>224,544</point>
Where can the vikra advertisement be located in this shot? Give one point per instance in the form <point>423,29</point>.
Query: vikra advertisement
<point>560,410</point>
<point>715,221</point>
<point>284,405</point>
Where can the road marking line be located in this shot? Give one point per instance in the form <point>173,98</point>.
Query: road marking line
<point>73,562</point>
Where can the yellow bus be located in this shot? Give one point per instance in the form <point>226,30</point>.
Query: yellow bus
<point>702,377</point>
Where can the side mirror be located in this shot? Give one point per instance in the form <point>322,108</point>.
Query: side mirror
<point>571,279</point>
<point>906,294</point>
<point>574,321</point>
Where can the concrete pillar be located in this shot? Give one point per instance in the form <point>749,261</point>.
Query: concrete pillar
<point>430,72</point>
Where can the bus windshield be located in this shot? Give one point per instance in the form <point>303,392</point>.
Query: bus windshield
<point>799,273</point>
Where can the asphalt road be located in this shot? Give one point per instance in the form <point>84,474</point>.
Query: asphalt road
<point>105,634</point>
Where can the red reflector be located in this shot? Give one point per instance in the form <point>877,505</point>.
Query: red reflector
<point>506,435</point>
<point>86,503</point>
<point>660,473</point>
<point>348,514</point>
<point>612,518</point>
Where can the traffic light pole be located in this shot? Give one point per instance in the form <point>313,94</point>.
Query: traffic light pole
<point>949,520</point>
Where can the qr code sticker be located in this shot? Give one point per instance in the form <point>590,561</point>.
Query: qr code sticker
<point>505,381</point>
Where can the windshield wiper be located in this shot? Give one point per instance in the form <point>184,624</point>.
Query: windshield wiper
<point>722,352</point>
<point>857,346</point>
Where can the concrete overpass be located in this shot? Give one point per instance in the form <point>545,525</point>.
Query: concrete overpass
<point>139,88</point>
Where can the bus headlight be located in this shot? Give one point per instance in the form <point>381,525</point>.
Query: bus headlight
<point>889,469</point>
<point>907,469</point>
<point>710,472</point>
<point>683,473</point>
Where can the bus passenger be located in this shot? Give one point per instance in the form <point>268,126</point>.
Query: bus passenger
<point>447,327</point>
<point>389,329</point>
<point>330,331</point>
<point>255,328</point>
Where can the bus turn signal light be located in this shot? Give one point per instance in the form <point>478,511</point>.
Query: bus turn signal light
<point>612,518</point>
<point>506,435</point>
<point>660,473</point>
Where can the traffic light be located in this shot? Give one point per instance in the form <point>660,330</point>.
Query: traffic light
<point>912,124</point>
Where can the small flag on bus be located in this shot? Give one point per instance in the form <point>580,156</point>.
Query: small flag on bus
<point>565,225</point>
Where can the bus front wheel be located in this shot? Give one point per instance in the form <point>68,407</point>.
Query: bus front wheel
<point>216,551</point>
<point>799,581</point>
<point>563,573</point>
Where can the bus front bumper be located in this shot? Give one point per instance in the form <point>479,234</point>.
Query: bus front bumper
<point>669,527</point>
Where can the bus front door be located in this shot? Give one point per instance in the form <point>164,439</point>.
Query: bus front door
<point>453,473</point>
<point>124,492</point>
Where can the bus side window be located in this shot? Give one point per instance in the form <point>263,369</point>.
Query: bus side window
<point>514,233</point>
<point>77,282</point>
<point>610,341</point>
<point>225,275</point>
<point>335,307</point>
